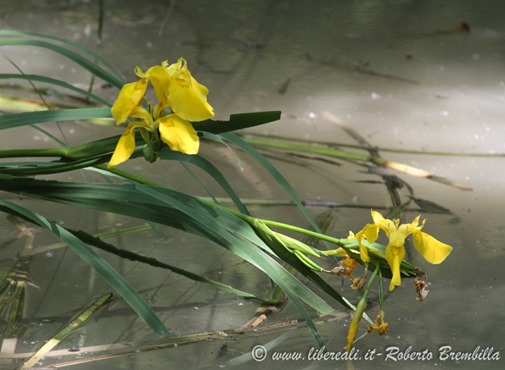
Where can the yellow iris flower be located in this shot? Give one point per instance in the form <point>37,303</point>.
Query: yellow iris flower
<point>431,249</point>
<point>176,89</point>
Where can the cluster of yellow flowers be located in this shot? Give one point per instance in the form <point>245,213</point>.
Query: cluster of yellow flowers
<point>176,89</point>
<point>431,249</point>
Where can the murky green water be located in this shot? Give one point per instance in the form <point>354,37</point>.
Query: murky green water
<point>399,72</point>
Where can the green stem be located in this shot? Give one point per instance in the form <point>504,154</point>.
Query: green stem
<point>372,278</point>
<point>381,292</point>
<point>339,242</point>
<point>367,289</point>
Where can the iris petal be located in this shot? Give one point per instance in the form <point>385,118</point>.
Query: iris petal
<point>431,249</point>
<point>179,134</point>
<point>394,256</point>
<point>376,216</point>
<point>371,232</point>
<point>385,224</point>
<point>160,80</point>
<point>124,148</point>
<point>187,97</point>
<point>142,115</point>
<point>129,97</point>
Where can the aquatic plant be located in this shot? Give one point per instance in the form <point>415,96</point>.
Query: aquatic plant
<point>170,130</point>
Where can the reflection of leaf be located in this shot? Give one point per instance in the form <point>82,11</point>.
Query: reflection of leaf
<point>328,150</point>
<point>97,262</point>
<point>123,253</point>
<point>429,206</point>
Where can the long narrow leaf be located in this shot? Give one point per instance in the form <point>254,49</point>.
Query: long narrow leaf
<point>94,56</point>
<point>78,58</point>
<point>212,170</point>
<point>174,209</point>
<point>60,115</point>
<point>274,172</point>
<point>211,221</point>
<point>56,82</point>
<point>87,254</point>
<point>238,121</point>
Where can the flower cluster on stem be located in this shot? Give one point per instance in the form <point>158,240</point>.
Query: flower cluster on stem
<point>177,91</point>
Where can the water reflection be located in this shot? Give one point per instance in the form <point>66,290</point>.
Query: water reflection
<point>405,75</point>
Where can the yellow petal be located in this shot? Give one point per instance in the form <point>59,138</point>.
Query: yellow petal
<point>406,229</point>
<point>371,232</point>
<point>129,97</point>
<point>431,249</point>
<point>415,222</point>
<point>139,73</point>
<point>385,224</point>
<point>376,216</point>
<point>363,252</point>
<point>142,115</point>
<point>160,80</point>
<point>187,97</point>
<point>397,237</point>
<point>394,256</point>
<point>124,148</point>
<point>179,134</point>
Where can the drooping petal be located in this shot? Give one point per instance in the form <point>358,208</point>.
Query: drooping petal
<point>187,97</point>
<point>431,249</point>
<point>363,251</point>
<point>394,256</point>
<point>124,148</point>
<point>129,97</point>
<point>179,134</point>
